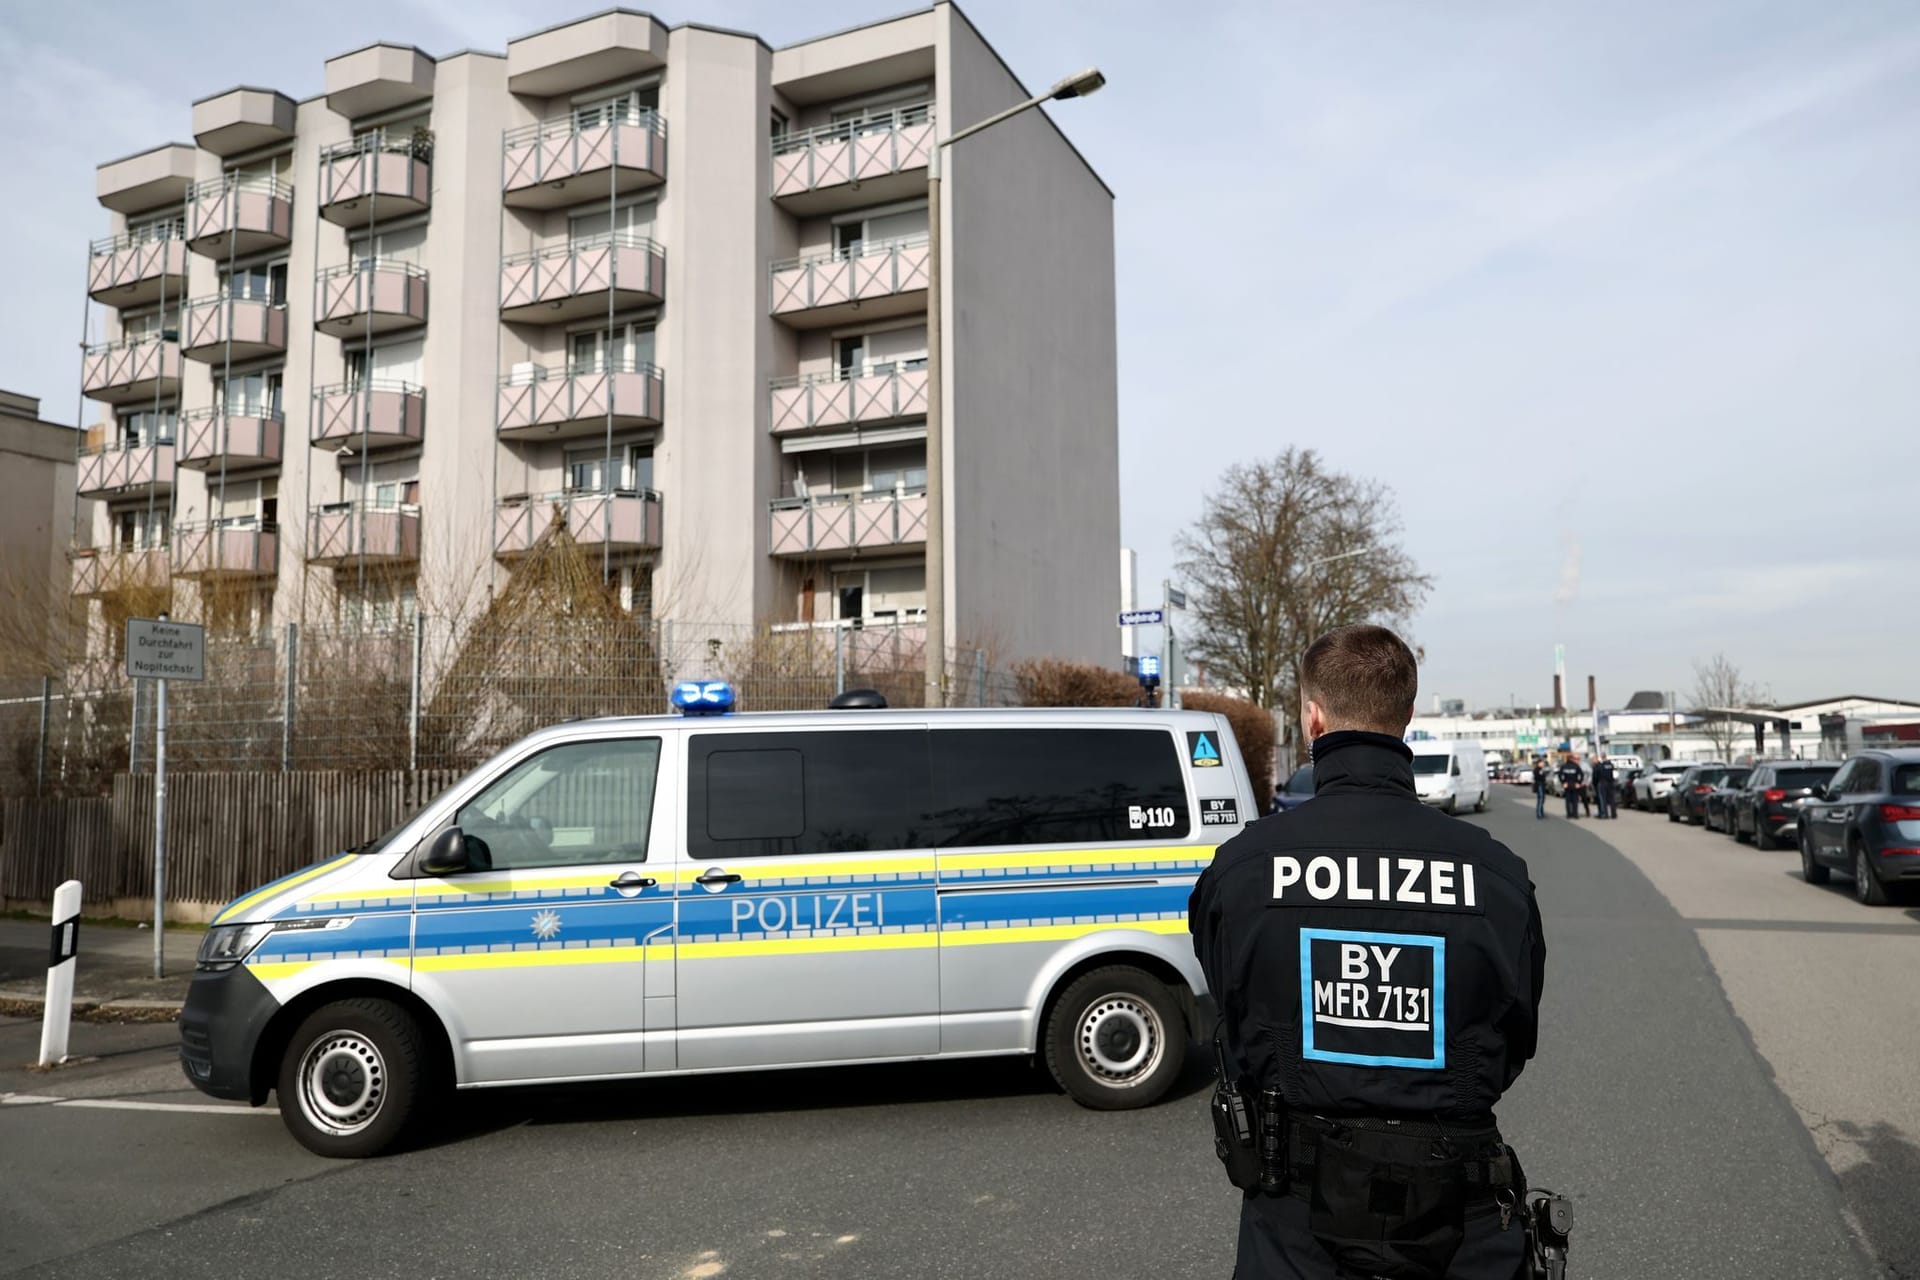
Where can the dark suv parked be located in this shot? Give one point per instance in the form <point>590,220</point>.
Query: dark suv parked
<point>1687,802</point>
<point>1767,810</point>
<point>1867,823</point>
<point>1719,806</point>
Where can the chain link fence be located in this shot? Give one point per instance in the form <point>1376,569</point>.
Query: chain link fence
<point>427,696</point>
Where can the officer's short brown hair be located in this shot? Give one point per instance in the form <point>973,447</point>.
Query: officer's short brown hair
<point>1363,677</point>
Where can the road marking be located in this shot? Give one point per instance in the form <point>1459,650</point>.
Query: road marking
<point>119,1104</point>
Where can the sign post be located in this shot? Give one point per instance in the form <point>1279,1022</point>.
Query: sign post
<point>160,650</point>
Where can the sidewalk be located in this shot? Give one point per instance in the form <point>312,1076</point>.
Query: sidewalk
<point>113,980</point>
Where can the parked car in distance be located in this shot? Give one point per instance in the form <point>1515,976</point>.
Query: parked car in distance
<point>1719,806</point>
<point>1651,787</point>
<point>1768,809</point>
<point>1297,791</point>
<point>1623,786</point>
<point>1866,822</point>
<point>1687,798</point>
<point>1522,775</point>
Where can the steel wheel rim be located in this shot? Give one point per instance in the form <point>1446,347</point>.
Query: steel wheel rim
<point>342,1083</point>
<point>1120,1040</point>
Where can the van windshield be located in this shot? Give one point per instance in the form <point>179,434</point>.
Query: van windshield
<point>1430,764</point>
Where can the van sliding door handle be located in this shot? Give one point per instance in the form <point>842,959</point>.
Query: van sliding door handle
<point>631,880</point>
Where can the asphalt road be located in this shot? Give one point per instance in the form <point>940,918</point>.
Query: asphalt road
<point>1654,1104</point>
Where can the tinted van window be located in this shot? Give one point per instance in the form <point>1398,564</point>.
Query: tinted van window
<point>1056,786</point>
<point>767,794</point>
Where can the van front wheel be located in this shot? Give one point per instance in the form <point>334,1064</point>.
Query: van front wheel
<point>353,1078</point>
<point>1115,1039</point>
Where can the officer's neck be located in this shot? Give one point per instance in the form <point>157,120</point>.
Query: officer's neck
<point>1359,759</point>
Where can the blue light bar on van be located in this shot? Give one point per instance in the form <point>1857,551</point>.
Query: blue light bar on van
<point>703,697</point>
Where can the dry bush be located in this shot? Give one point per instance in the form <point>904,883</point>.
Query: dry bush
<point>1051,682</point>
<point>1253,729</point>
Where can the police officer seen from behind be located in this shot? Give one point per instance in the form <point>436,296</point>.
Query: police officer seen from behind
<point>1571,780</point>
<point>1603,780</point>
<point>1378,967</point>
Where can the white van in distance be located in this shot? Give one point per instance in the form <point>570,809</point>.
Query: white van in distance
<point>1450,775</point>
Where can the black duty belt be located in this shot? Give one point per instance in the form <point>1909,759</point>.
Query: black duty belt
<point>1484,1160</point>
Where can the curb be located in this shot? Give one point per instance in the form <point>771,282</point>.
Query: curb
<point>30,1004</point>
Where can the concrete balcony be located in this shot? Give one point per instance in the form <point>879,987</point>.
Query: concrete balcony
<point>843,166</point>
<point>226,549</point>
<point>152,179</point>
<point>232,217</point>
<point>614,45</point>
<point>376,176</point>
<point>840,523</point>
<point>375,296</point>
<point>379,414</point>
<point>887,393</point>
<point>346,532</point>
<point>555,404</point>
<point>125,471</point>
<point>109,571</point>
<point>623,522</point>
<point>213,438</point>
<point>560,162</point>
<point>215,330</point>
<point>140,369</point>
<point>882,281</point>
<point>242,119</point>
<point>134,270</point>
<point>571,281</point>
<point>380,77</point>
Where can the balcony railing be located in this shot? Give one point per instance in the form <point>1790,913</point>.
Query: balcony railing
<point>877,281</point>
<point>254,327</point>
<point>541,403</point>
<point>809,165</point>
<point>236,548</point>
<point>841,522</point>
<point>570,281</point>
<point>346,532</point>
<point>110,570</point>
<point>124,470</point>
<point>378,413</point>
<point>580,155</point>
<point>378,295</point>
<point>377,175</point>
<point>132,369</point>
<point>880,393</point>
<point>235,216</point>
<point>245,436</point>
<point>135,268</point>
<point>623,521</point>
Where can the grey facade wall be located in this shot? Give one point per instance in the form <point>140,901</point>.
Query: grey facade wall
<point>1033,417</point>
<point>36,522</point>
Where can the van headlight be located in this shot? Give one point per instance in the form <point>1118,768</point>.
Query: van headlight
<point>228,944</point>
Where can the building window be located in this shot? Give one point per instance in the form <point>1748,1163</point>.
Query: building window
<point>631,347</point>
<point>881,595</point>
<point>882,470</point>
<point>141,529</point>
<point>249,395</point>
<point>147,427</point>
<point>623,107</point>
<point>587,470</point>
<point>628,222</point>
<point>257,284</point>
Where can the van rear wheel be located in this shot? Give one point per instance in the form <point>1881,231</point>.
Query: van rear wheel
<point>1115,1039</point>
<point>353,1079</point>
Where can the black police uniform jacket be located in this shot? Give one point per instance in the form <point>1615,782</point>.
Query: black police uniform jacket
<point>1370,955</point>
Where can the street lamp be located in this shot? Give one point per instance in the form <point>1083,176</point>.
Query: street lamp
<point>1074,86</point>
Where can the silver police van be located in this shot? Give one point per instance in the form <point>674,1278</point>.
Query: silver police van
<point>668,895</point>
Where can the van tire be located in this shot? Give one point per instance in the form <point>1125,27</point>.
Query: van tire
<point>1115,1039</point>
<point>1480,805</point>
<point>374,1056</point>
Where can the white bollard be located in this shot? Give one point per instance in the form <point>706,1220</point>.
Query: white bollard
<point>62,959</point>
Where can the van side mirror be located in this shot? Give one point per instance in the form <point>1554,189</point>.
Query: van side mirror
<point>453,851</point>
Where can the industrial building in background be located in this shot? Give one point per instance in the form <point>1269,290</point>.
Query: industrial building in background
<point>36,517</point>
<point>355,354</point>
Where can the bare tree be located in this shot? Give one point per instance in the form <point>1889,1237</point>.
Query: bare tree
<point>1717,682</point>
<point>1271,566</point>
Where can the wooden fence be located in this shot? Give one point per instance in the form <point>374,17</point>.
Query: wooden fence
<point>226,832</point>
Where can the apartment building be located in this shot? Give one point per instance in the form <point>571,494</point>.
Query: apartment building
<point>668,283</point>
<point>36,516</point>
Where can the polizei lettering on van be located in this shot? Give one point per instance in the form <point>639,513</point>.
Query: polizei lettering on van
<point>1370,879</point>
<point>811,911</point>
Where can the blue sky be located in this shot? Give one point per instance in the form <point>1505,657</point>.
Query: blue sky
<point>1623,300</point>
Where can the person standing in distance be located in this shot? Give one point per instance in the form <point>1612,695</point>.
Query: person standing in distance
<point>1603,787</point>
<point>1539,786</point>
<point>1378,969</point>
<point>1570,781</point>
